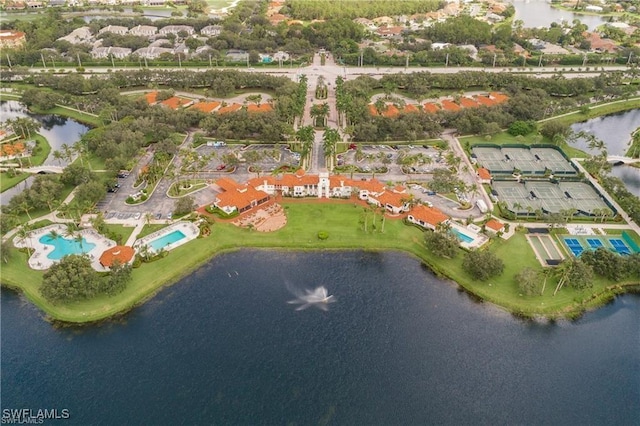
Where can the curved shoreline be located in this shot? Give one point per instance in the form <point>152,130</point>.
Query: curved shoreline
<point>571,311</point>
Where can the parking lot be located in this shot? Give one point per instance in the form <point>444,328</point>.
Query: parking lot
<point>395,160</point>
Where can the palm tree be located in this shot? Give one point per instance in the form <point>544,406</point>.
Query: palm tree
<point>25,207</point>
<point>23,233</point>
<point>320,111</point>
<point>58,156</point>
<point>78,239</point>
<point>382,212</point>
<point>147,218</point>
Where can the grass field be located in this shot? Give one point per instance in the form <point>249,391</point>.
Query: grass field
<point>343,222</point>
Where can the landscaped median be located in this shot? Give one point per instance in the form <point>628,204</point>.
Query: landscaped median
<point>342,223</point>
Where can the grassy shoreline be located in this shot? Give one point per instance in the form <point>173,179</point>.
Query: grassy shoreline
<point>341,221</point>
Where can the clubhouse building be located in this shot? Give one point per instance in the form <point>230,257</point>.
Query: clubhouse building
<point>242,197</point>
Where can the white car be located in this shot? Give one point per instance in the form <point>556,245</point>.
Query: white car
<point>137,216</point>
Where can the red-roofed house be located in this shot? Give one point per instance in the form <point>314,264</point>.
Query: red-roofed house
<point>175,102</point>
<point>450,105</point>
<point>259,108</point>
<point>230,108</point>
<point>120,254</point>
<point>431,107</point>
<point>485,100</point>
<point>391,111</point>
<point>410,108</point>
<point>484,176</point>
<point>427,217</point>
<point>12,39</point>
<point>498,97</point>
<point>395,200</point>
<point>151,98</point>
<point>494,226</point>
<point>238,197</point>
<point>206,107</point>
<point>468,103</point>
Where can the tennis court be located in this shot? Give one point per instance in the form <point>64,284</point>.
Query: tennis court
<point>528,160</point>
<point>578,244</point>
<point>546,197</point>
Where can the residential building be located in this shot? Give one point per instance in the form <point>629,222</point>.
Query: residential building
<point>493,227</point>
<point>238,197</point>
<point>151,52</point>
<point>12,39</point>
<point>79,35</point>
<point>109,52</point>
<point>427,217</point>
<point>175,29</point>
<point>114,29</point>
<point>211,30</point>
<point>143,31</point>
<point>484,176</point>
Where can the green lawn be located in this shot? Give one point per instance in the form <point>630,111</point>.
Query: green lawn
<point>342,222</point>
<point>7,182</point>
<point>122,231</point>
<point>150,229</point>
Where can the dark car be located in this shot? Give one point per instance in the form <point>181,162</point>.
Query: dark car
<point>221,167</point>
<point>158,215</point>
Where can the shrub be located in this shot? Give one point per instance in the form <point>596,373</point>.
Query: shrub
<point>323,235</point>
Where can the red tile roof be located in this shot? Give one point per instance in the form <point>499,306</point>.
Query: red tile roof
<point>239,196</point>
<point>430,215</point>
<point>175,102</point>
<point>499,97</point>
<point>496,225</point>
<point>485,100</point>
<point>450,106</point>
<point>391,111</point>
<point>468,103</point>
<point>391,198</point>
<point>259,108</point>
<point>410,108</point>
<point>123,254</point>
<point>431,107</point>
<point>373,185</point>
<point>151,97</point>
<point>229,108</point>
<point>484,174</point>
<point>206,106</point>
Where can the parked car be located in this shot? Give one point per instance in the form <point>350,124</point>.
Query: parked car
<point>221,167</point>
<point>137,216</point>
<point>158,215</point>
<point>169,215</point>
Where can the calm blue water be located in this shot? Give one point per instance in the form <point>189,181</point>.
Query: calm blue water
<point>399,346</point>
<point>167,239</point>
<point>64,247</point>
<point>461,236</point>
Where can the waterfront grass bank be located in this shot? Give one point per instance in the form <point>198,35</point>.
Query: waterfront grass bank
<point>305,220</point>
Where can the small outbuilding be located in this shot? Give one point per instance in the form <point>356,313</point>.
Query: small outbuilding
<point>120,254</point>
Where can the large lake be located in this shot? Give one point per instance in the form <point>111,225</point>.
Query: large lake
<point>399,346</point>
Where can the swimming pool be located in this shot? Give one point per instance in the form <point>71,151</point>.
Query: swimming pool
<point>462,236</point>
<point>167,239</point>
<point>63,247</point>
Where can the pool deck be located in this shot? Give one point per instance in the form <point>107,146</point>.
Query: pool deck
<point>478,239</point>
<point>190,231</point>
<point>41,262</point>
